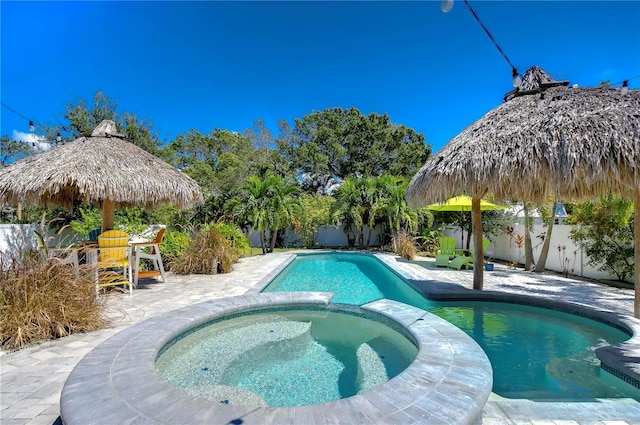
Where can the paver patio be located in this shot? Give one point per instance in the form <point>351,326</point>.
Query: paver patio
<point>31,380</point>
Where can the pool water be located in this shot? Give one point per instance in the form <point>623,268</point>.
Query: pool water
<point>536,354</point>
<point>285,358</point>
<point>354,278</point>
<point>540,354</point>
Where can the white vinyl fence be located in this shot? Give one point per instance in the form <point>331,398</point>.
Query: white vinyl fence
<point>564,254</point>
<point>18,238</point>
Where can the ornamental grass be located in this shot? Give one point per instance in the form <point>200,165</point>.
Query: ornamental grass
<point>43,299</point>
<point>404,245</point>
<point>212,250</point>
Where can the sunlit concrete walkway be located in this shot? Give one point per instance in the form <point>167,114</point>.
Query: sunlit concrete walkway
<point>31,380</point>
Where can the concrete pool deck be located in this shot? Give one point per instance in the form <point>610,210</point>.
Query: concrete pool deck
<point>31,380</point>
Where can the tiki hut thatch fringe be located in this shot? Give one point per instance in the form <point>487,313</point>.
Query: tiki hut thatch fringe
<point>568,142</point>
<point>103,169</point>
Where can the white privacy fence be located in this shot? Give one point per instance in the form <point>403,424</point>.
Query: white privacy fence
<point>564,254</point>
<point>328,236</point>
<point>15,238</point>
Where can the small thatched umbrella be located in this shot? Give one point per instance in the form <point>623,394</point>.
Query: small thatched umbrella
<point>103,169</point>
<point>546,139</point>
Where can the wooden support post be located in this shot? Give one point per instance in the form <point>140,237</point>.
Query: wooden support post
<point>636,237</point>
<point>108,214</point>
<point>478,257</point>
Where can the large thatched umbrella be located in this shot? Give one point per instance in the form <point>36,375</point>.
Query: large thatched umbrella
<point>546,139</point>
<point>103,169</point>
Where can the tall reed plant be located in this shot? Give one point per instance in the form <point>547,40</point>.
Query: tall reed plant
<point>43,299</point>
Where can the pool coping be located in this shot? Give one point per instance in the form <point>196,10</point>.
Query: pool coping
<point>449,381</point>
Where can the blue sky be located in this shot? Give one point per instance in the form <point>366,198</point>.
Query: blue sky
<point>206,65</point>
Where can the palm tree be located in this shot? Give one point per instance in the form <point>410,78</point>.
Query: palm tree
<point>399,214</point>
<point>393,206</point>
<point>251,205</point>
<point>284,204</point>
<point>355,206</point>
<point>346,209</point>
<point>268,203</point>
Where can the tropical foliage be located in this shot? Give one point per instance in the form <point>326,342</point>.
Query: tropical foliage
<point>316,213</point>
<point>605,232</point>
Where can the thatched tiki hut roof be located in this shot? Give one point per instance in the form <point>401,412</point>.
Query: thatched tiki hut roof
<point>572,143</point>
<point>103,169</point>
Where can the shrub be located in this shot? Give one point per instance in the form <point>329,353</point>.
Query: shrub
<point>605,233</point>
<point>43,299</point>
<point>174,245</point>
<point>213,250</point>
<point>231,232</point>
<point>404,245</point>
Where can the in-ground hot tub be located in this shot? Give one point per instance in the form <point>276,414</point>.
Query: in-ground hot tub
<point>437,375</point>
<point>293,356</point>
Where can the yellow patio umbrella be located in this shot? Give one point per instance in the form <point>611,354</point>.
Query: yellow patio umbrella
<point>463,204</point>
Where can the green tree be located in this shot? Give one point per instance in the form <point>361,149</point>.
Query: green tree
<point>14,150</point>
<point>140,132</point>
<point>265,158</point>
<point>343,142</point>
<point>218,161</point>
<point>82,118</point>
<point>392,209</point>
<point>266,204</point>
<point>393,205</point>
<point>605,232</point>
<point>315,214</point>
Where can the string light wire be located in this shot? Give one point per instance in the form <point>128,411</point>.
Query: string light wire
<point>16,112</point>
<point>495,43</point>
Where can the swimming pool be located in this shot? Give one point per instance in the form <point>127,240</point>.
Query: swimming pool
<point>536,353</point>
<point>353,278</point>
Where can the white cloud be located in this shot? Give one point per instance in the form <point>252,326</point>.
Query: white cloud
<point>38,142</point>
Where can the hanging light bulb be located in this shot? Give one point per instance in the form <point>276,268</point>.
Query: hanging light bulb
<point>625,86</point>
<point>58,137</point>
<point>446,6</point>
<point>516,78</point>
<point>31,126</point>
